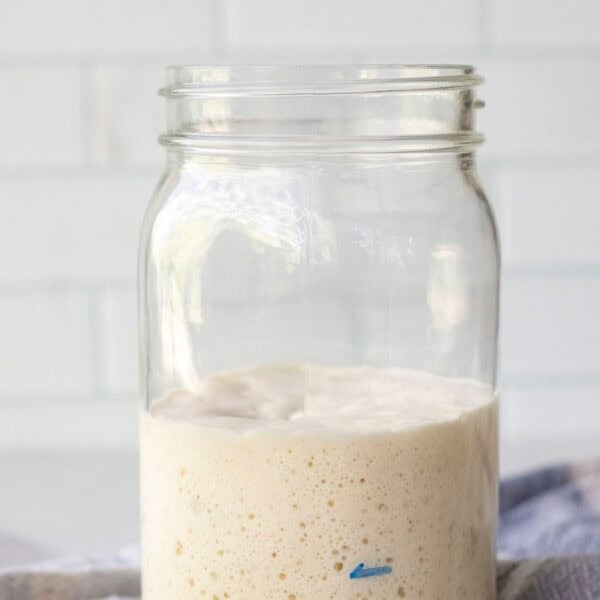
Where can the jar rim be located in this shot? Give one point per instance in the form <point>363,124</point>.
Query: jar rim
<point>317,79</point>
<point>374,145</point>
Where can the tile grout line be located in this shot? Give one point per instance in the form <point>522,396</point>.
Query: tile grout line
<point>62,287</point>
<point>557,161</point>
<point>484,26</point>
<point>548,270</point>
<point>540,161</point>
<point>220,48</point>
<point>97,345</point>
<point>551,379</point>
<point>86,70</point>
<point>219,14</point>
<point>85,171</point>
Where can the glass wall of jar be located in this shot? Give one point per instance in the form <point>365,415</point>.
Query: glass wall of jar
<point>319,277</point>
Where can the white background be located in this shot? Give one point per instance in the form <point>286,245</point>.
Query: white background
<point>79,159</point>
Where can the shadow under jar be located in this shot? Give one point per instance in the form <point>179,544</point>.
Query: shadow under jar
<point>318,304</point>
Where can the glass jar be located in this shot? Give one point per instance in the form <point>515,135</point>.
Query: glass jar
<point>318,296</point>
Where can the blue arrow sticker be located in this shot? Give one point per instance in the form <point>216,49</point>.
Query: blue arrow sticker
<point>360,571</point>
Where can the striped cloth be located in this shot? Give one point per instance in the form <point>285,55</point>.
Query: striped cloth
<point>548,546</point>
<point>549,534</point>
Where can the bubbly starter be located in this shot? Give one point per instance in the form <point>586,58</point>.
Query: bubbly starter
<point>382,487</point>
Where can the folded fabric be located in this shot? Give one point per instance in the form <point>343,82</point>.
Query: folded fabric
<point>552,514</point>
<point>571,578</point>
<point>567,578</point>
<point>73,579</point>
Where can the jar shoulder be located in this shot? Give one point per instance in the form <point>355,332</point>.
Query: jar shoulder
<point>290,207</point>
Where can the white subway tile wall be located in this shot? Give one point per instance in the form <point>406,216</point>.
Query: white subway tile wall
<point>541,109</point>
<point>66,28</point>
<point>550,328</point>
<point>126,116</point>
<point>43,125</point>
<point>118,341</point>
<point>271,25</point>
<point>532,23</point>
<point>77,229</point>
<point>79,159</point>
<point>561,204</point>
<point>47,347</point>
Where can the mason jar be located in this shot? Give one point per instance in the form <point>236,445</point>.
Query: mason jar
<point>318,303</point>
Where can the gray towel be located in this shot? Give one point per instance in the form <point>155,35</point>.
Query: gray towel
<point>571,578</point>
<point>551,512</point>
<point>550,525</point>
<point>73,579</point>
